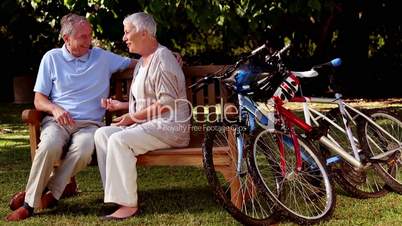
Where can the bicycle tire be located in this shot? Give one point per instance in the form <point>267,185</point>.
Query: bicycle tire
<point>254,208</point>
<point>358,184</point>
<point>286,186</point>
<point>374,141</point>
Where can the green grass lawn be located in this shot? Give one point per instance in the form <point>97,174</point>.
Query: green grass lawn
<point>168,195</point>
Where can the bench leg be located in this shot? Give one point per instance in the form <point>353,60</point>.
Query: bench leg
<point>230,176</point>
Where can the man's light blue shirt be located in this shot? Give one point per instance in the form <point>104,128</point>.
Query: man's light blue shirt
<point>78,84</point>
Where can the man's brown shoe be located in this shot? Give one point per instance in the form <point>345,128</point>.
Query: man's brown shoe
<point>18,214</point>
<point>47,201</point>
<point>71,189</point>
<point>17,200</point>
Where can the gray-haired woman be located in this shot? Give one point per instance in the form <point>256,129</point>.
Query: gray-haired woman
<point>158,115</point>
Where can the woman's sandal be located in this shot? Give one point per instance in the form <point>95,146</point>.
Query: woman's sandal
<point>112,218</point>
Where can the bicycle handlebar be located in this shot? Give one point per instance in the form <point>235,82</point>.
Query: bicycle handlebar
<point>335,63</point>
<point>201,82</point>
<point>257,50</point>
<point>229,81</point>
<point>286,47</point>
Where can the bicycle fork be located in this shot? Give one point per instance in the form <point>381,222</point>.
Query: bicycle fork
<point>240,145</point>
<point>347,127</point>
<point>294,142</point>
<point>297,151</point>
<point>239,138</point>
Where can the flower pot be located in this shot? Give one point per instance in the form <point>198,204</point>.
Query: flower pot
<point>23,89</point>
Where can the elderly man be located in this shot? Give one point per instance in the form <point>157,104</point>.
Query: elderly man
<point>70,84</point>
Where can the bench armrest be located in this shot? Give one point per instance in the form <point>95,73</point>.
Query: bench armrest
<point>33,118</point>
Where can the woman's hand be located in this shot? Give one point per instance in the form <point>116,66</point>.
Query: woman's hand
<point>124,120</point>
<point>113,105</point>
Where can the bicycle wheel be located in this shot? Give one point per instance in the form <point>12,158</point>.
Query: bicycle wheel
<point>306,195</point>
<point>246,204</point>
<point>376,141</point>
<point>359,184</point>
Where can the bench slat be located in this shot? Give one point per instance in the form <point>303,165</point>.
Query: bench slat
<point>183,157</point>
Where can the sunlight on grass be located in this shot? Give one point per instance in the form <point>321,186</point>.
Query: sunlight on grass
<point>167,195</point>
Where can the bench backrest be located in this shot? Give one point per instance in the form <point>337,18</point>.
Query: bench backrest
<point>209,96</point>
<point>121,81</point>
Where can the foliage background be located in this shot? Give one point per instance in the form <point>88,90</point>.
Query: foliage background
<point>363,33</point>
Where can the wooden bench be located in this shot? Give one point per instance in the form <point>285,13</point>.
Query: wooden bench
<point>189,156</point>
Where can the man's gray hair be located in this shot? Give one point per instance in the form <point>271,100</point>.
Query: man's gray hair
<point>68,22</point>
<point>142,22</point>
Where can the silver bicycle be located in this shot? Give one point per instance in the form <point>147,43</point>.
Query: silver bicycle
<point>372,137</point>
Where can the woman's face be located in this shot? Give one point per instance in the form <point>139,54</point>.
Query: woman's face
<point>79,42</point>
<point>132,38</point>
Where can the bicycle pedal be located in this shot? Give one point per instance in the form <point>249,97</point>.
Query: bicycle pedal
<point>382,156</point>
<point>356,176</point>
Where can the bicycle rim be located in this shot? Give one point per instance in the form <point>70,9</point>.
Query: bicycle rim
<point>377,142</point>
<point>360,184</point>
<point>246,204</point>
<point>307,195</point>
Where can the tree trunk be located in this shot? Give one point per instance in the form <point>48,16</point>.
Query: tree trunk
<point>353,48</point>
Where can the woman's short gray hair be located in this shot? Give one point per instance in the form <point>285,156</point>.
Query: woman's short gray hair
<point>142,21</point>
<point>68,22</point>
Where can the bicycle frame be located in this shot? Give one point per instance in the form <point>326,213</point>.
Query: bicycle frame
<point>346,117</point>
<point>344,109</point>
<point>295,120</point>
<point>248,110</point>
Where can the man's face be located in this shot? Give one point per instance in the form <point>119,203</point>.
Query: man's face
<point>79,42</point>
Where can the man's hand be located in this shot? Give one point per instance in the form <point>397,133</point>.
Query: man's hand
<point>62,116</point>
<point>42,103</point>
<point>124,120</point>
<point>113,105</point>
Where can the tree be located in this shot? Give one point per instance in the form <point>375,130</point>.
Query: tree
<point>363,33</point>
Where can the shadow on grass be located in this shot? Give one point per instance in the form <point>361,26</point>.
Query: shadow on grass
<point>15,158</point>
<point>158,201</point>
<point>173,201</point>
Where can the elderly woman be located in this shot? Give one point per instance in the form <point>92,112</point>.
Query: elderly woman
<point>158,115</point>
